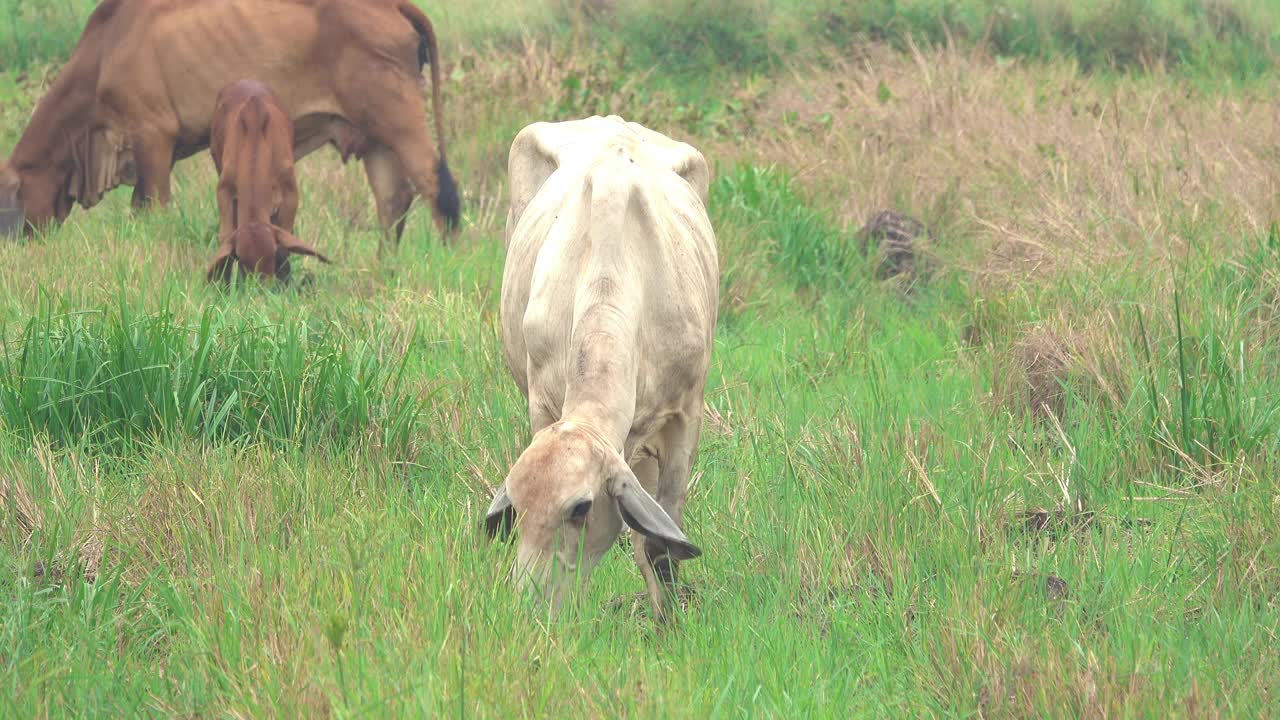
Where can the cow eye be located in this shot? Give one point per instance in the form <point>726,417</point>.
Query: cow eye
<point>579,511</point>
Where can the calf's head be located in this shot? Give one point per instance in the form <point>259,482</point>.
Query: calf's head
<point>258,248</point>
<point>568,495</point>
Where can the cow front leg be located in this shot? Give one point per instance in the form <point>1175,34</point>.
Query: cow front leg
<point>679,450</point>
<point>646,470</point>
<point>153,156</point>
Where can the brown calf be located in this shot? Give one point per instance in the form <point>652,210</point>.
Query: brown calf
<point>251,142</point>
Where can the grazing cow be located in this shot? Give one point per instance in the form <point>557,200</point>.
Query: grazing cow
<point>251,143</point>
<point>609,299</point>
<point>136,96</point>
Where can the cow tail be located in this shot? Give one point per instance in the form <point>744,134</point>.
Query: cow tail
<point>428,53</point>
<point>447,200</point>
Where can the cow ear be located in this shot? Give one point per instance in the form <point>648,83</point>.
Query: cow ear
<point>643,514</point>
<point>532,159</point>
<point>12,214</point>
<point>220,268</point>
<point>290,242</point>
<point>692,166</point>
<point>501,516</point>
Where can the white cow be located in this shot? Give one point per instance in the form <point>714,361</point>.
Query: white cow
<point>609,301</point>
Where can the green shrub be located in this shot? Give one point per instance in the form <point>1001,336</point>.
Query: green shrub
<point>115,378</point>
<point>802,241</point>
<point>689,37</point>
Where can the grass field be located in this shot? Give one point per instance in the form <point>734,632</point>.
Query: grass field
<point>1038,476</point>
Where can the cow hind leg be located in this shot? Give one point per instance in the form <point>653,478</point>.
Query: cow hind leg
<point>392,192</point>
<point>400,123</point>
<point>432,179</point>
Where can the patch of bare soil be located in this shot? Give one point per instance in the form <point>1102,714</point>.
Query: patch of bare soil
<point>898,243</point>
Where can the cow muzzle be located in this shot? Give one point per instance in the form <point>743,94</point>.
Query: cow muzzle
<point>12,216</point>
<point>544,585</point>
<point>552,578</point>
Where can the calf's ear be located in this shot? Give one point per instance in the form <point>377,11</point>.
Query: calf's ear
<point>501,516</point>
<point>12,215</point>
<point>220,268</point>
<point>290,242</point>
<point>642,513</point>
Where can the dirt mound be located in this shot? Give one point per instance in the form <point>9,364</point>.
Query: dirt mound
<point>1045,359</point>
<point>898,242</point>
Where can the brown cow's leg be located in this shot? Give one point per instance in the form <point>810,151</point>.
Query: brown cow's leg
<point>417,156</point>
<point>392,114</point>
<point>153,155</point>
<point>391,192</point>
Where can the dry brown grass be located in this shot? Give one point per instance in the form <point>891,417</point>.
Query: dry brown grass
<point>1066,356</point>
<point>1044,168</point>
<point>37,486</point>
<point>1045,358</point>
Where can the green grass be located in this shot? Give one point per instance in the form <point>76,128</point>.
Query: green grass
<point>268,503</point>
<point>33,33</point>
<point>690,39</point>
<point>1237,39</point>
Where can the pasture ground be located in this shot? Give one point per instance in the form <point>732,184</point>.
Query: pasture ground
<point>1037,476</point>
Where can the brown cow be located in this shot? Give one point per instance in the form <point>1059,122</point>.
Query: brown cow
<point>251,143</point>
<point>136,95</point>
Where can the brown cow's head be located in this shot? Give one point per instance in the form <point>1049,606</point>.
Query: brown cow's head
<point>258,248</point>
<point>32,198</point>
<point>571,491</point>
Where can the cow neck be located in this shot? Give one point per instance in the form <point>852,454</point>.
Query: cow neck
<point>254,166</point>
<point>60,117</point>
<point>600,389</point>
<point>602,365</point>
<point>250,205</point>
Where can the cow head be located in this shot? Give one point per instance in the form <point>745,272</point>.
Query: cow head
<point>32,198</point>
<point>569,493</point>
<point>258,248</point>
